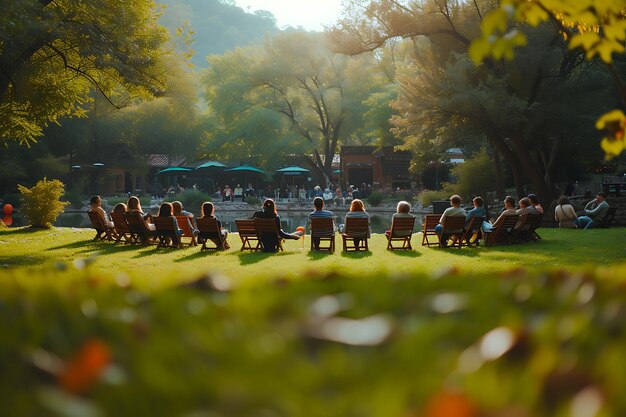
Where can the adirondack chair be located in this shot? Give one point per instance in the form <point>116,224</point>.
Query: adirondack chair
<point>355,234</point>
<point>139,229</point>
<point>247,234</point>
<point>401,231</point>
<point>166,232</point>
<point>453,227</point>
<point>608,219</point>
<point>121,228</point>
<point>525,227</point>
<point>103,230</point>
<point>472,228</point>
<point>184,223</point>
<point>502,233</point>
<point>266,230</point>
<point>210,232</point>
<point>428,228</point>
<point>322,230</point>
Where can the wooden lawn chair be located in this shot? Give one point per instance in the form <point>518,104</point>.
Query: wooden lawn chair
<point>502,233</point>
<point>525,227</point>
<point>139,229</point>
<point>355,228</point>
<point>472,228</point>
<point>247,234</point>
<point>324,230</point>
<point>166,232</point>
<point>103,230</point>
<point>121,228</point>
<point>608,219</point>
<point>267,226</point>
<point>184,223</point>
<point>453,228</point>
<point>401,231</point>
<point>428,228</point>
<point>208,231</point>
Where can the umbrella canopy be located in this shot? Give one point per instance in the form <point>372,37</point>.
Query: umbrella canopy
<point>174,170</point>
<point>293,170</point>
<point>244,168</point>
<point>211,164</point>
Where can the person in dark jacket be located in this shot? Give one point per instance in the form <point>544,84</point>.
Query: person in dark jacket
<point>270,240</point>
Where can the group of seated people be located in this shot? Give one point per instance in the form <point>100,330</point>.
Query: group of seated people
<point>594,212</point>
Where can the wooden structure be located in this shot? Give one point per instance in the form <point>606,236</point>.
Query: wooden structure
<point>323,230</point>
<point>355,234</point>
<point>401,231</point>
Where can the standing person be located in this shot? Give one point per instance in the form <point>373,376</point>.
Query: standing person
<point>564,214</point>
<point>250,190</point>
<point>96,207</point>
<point>228,193</point>
<point>357,209</point>
<point>238,193</point>
<point>534,201</point>
<point>454,211</point>
<point>595,211</point>
<point>338,200</point>
<point>270,240</point>
<point>319,212</point>
<point>402,211</point>
<point>207,211</point>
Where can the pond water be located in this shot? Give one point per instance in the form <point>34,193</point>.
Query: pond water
<point>289,219</point>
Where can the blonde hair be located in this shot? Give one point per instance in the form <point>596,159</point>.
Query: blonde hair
<point>357,205</point>
<point>403,207</point>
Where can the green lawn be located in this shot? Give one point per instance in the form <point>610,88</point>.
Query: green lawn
<point>146,332</point>
<point>560,249</point>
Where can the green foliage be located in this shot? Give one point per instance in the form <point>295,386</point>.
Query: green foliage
<point>75,199</point>
<point>427,197</point>
<point>42,203</point>
<point>54,53</point>
<point>375,198</point>
<point>473,177</point>
<point>191,199</point>
<point>253,201</point>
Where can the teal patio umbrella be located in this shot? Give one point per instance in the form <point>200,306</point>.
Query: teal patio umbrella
<point>174,170</point>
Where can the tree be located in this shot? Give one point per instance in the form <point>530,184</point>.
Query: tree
<point>597,27</point>
<point>309,99</point>
<point>53,53</point>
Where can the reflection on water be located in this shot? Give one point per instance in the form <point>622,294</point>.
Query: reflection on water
<point>289,219</point>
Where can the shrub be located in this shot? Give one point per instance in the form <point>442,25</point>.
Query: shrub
<point>428,196</point>
<point>42,204</point>
<point>191,199</point>
<point>253,201</point>
<point>404,195</point>
<point>375,198</point>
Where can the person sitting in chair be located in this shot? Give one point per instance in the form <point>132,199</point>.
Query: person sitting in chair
<point>454,211</point>
<point>357,209</point>
<point>402,211</point>
<point>96,207</point>
<point>319,212</point>
<point>564,214</point>
<point>509,209</point>
<point>166,210</point>
<point>207,211</point>
<point>177,206</point>
<point>595,211</point>
<point>270,240</point>
<point>534,201</point>
<point>135,205</point>
<point>526,207</point>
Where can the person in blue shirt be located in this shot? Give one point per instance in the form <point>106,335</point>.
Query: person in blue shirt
<point>319,212</point>
<point>595,211</point>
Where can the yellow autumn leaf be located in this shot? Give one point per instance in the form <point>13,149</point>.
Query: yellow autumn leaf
<point>609,6</point>
<point>494,21</point>
<point>479,49</point>
<point>502,49</point>
<point>616,29</point>
<point>531,13</point>
<point>586,18</point>
<point>606,48</point>
<point>611,148</point>
<point>516,38</point>
<point>585,40</point>
<point>611,117</point>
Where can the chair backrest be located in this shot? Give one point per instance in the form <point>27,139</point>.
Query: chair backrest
<point>208,225</point>
<point>356,227</point>
<point>475,224</point>
<point>402,226</point>
<point>431,221</point>
<point>120,222</point>
<point>246,227</point>
<point>136,223</point>
<point>533,221</point>
<point>164,225</point>
<point>322,227</point>
<point>610,214</point>
<point>262,225</point>
<point>185,225</point>
<point>509,221</point>
<point>96,221</point>
<point>453,224</point>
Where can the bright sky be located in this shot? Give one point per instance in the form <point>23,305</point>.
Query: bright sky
<point>310,14</point>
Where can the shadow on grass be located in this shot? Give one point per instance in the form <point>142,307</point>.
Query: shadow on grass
<point>22,231</point>
<point>255,257</point>
<point>198,255</point>
<point>318,255</point>
<point>406,253</point>
<point>22,260</point>
<point>357,255</point>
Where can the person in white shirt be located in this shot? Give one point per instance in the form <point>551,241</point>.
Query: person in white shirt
<point>564,214</point>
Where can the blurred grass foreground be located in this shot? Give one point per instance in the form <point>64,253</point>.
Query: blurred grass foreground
<point>77,340</point>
